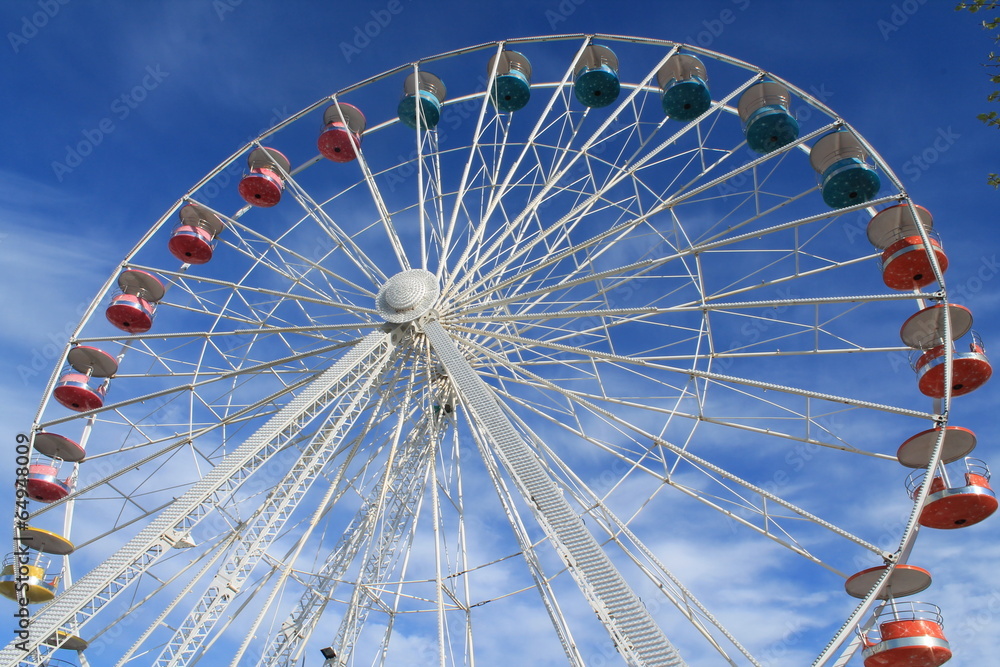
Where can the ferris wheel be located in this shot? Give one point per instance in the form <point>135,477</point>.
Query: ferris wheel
<point>562,349</point>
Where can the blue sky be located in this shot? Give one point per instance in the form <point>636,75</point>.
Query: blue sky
<point>158,94</point>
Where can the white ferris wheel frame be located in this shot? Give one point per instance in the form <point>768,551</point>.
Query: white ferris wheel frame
<point>518,463</point>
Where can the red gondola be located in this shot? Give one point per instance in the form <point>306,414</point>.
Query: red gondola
<point>134,308</point>
<point>265,182</point>
<point>910,634</point>
<point>76,389</point>
<point>905,261</point>
<point>958,506</point>
<point>970,370</point>
<point>193,239</point>
<point>343,126</point>
<point>45,482</point>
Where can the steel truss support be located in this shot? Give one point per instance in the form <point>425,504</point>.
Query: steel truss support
<point>106,581</point>
<point>635,633</point>
<point>392,502</point>
<point>266,523</point>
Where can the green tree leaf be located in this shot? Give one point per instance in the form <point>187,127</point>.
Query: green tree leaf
<point>991,118</point>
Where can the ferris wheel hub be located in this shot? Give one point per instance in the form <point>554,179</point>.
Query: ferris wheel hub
<point>407,296</point>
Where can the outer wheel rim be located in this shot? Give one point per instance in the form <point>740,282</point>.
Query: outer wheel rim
<point>506,341</point>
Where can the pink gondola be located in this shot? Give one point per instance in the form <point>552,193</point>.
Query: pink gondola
<point>263,185</point>
<point>133,309</point>
<point>77,388</point>
<point>193,239</point>
<point>45,482</point>
<point>340,139</point>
